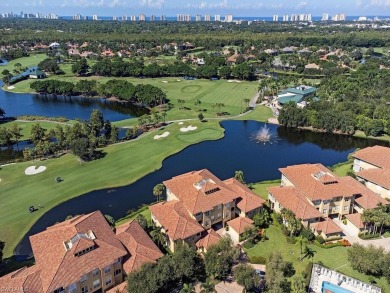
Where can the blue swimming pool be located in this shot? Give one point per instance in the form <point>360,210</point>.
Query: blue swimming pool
<point>333,288</point>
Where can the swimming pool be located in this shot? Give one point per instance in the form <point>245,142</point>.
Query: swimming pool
<point>333,288</point>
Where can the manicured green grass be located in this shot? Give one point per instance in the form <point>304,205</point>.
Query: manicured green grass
<point>122,164</point>
<point>342,169</point>
<point>260,188</point>
<point>334,258</point>
<point>142,211</point>
<point>260,113</point>
<point>31,60</point>
<point>26,126</point>
<point>361,134</point>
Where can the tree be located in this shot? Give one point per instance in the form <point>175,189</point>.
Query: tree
<point>158,237</point>
<point>37,133</point>
<point>142,221</point>
<point>246,276</point>
<point>16,134</point>
<point>82,148</point>
<point>309,253</point>
<point>2,113</point>
<point>239,175</point>
<point>208,286</point>
<point>367,260</point>
<point>5,137</point>
<point>114,134</point>
<point>80,67</point>
<point>158,191</point>
<point>298,284</point>
<point>301,242</point>
<point>276,274</point>
<point>17,66</point>
<point>110,220</point>
<point>201,117</point>
<point>187,288</point>
<point>97,122</point>
<point>262,219</point>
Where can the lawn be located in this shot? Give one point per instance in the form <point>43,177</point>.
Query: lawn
<point>142,211</point>
<point>31,60</point>
<point>260,113</point>
<point>361,134</point>
<point>342,169</point>
<point>334,258</point>
<point>260,188</point>
<point>123,164</point>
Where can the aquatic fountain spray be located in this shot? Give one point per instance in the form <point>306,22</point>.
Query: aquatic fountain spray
<point>264,135</point>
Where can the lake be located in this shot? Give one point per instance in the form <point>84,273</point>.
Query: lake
<point>236,151</point>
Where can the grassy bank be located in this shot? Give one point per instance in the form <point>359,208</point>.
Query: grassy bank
<point>122,164</point>
<point>31,60</point>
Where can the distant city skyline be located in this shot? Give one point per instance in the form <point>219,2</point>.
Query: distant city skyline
<point>251,8</point>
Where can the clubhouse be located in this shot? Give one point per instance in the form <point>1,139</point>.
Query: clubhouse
<point>198,204</point>
<point>316,196</point>
<point>83,254</point>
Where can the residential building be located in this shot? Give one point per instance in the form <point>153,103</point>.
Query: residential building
<point>152,17</point>
<point>285,17</point>
<point>163,18</point>
<point>207,17</point>
<point>83,254</point>
<point>229,18</point>
<point>339,17</point>
<point>315,195</point>
<point>77,17</point>
<point>142,17</point>
<point>372,166</point>
<point>115,18</point>
<point>95,17</point>
<point>275,17</point>
<point>294,17</point>
<point>197,202</point>
<point>217,17</point>
<point>133,18</point>
<point>124,18</point>
<point>325,17</point>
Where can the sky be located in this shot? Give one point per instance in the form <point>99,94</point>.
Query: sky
<point>193,7</point>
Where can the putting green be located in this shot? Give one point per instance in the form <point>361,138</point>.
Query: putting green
<point>191,89</point>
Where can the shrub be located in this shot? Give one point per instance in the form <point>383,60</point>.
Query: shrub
<point>277,219</point>
<point>258,260</point>
<point>345,222</point>
<point>309,235</point>
<point>368,236</point>
<point>249,244</point>
<point>320,239</point>
<point>345,242</point>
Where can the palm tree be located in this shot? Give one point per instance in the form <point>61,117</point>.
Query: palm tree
<point>239,175</point>
<point>309,253</point>
<point>301,241</point>
<point>197,103</point>
<point>158,237</point>
<point>158,191</point>
<point>17,66</point>
<point>247,101</point>
<point>208,286</point>
<point>164,115</point>
<point>187,288</point>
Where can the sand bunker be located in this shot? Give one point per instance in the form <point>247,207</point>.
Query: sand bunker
<point>11,87</point>
<point>165,134</point>
<point>188,128</point>
<point>34,170</point>
<point>234,80</point>
<point>178,80</point>
<point>181,123</point>
<point>164,81</point>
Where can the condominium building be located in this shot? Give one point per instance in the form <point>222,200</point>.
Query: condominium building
<point>95,17</point>
<point>152,18</point>
<point>325,17</point>
<point>217,17</point>
<point>83,255</point>
<point>229,18</point>
<point>77,17</point>
<point>183,17</point>
<point>275,17</point>
<point>372,167</point>
<point>142,17</point>
<point>285,17</point>
<point>198,17</point>
<point>339,17</point>
<point>315,195</point>
<point>197,202</point>
<point>124,18</point>
<point>163,18</point>
<point>133,18</point>
<point>207,17</point>
<point>294,17</point>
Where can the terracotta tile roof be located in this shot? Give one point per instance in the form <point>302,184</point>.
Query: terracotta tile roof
<point>233,58</point>
<point>209,238</point>
<point>292,199</point>
<point>175,219</point>
<point>380,177</point>
<point>59,266</point>
<point>356,220</point>
<point>317,182</point>
<point>138,243</point>
<point>26,279</point>
<point>121,288</point>
<point>200,191</point>
<point>239,224</point>
<point>248,199</point>
<point>327,227</point>
<point>375,155</point>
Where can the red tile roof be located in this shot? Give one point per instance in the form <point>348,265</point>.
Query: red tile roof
<point>200,191</point>
<point>209,238</point>
<point>327,227</point>
<point>248,199</point>
<point>376,155</point>
<point>317,182</point>
<point>58,265</point>
<point>121,288</point>
<point>380,177</point>
<point>292,199</point>
<point>365,197</point>
<point>175,219</point>
<point>138,243</point>
<point>356,220</point>
<point>239,224</point>
<point>26,279</point>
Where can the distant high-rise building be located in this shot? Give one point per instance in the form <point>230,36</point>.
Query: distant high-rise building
<point>217,17</point>
<point>325,17</point>
<point>77,17</point>
<point>207,17</point>
<point>152,17</point>
<point>163,18</point>
<point>198,17</point>
<point>142,17</point>
<point>183,17</point>
<point>124,18</point>
<point>133,18</point>
<point>294,17</point>
<point>115,18</point>
<point>94,17</point>
<point>362,18</point>
<point>275,17</point>
<point>308,16</point>
<point>229,18</point>
<point>285,17</point>
<point>339,17</point>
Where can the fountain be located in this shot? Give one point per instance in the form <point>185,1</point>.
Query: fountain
<point>264,135</point>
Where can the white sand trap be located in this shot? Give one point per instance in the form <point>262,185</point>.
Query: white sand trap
<point>181,123</point>
<point>11,87</point>
<point>188,128</point>
<point>164,81</point>
<point>165,134</point>
<point>230,80</point>
<point>238,80</point>
<point>34,170</point>
<point>178,80</point>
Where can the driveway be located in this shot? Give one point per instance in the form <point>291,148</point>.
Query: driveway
<point>353,238</point>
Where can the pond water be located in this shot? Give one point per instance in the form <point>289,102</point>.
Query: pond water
<point>236,151</point>
<point>69,107</point>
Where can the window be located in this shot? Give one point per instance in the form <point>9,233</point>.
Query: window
<point>198,214</point>
<point>325,202</point>
<point>83,278</point>
<point>117,260</point>
<point>72,288</point>
<point>212,217</point>
<point>117,272</point>
<point>107,269</point>
<point>84,289</point>
<point>336,208</point>
<point>346,199</point>
<point>219,206</point>
<point>96,284</point>
<point>324,211</point>
<point>227,205</point>
<point>108,280</point>
<point>59,290</point>
<point>219,215</point>
<point>207,213</point>
<point>227,215</point>
<point>95,272</point>
<point>207,223</point>
<point>346,208</point>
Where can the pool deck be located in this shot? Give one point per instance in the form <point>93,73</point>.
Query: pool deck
<point>321,274</point>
